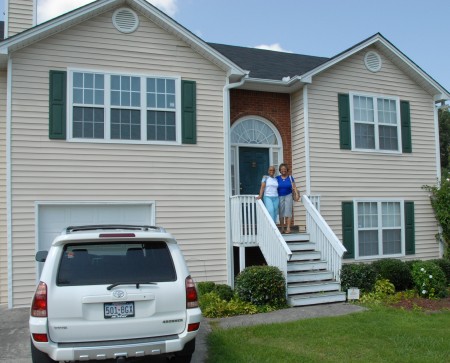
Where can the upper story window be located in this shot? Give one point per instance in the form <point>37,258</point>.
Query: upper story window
<point>124,107</point>
<point>375,123</point>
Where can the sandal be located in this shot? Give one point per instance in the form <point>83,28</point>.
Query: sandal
<point>288,232</point>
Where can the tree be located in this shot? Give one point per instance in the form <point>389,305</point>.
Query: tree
<point>444,135</point>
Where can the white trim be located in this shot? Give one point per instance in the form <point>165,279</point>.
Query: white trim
<point>380,227</point>
<point>6,25</point>
<point>8,183</point>
<point>34,12</point>
<point>437,142</point>
<point>107,108</point>
<point>376,124</point>
<point>307,145</point>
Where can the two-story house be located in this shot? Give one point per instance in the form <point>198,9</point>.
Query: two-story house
<point>116,113</point>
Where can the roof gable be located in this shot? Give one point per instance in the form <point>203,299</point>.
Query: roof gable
<point>98,7</point>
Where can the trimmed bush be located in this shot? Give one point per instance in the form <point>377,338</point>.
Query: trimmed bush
<point>224,291</point>
<point>396,271</point>
<point>261,285</point>
<point>445,267</point>
<point>361,275</point>
<point>205,286</point>
<point>429,280</point>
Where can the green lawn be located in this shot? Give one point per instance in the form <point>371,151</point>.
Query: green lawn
<point>377,335</point>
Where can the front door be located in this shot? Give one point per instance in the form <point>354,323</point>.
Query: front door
<point>253,164</point>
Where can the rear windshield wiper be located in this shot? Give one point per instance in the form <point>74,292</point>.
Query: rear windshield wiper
<point>130,283</point>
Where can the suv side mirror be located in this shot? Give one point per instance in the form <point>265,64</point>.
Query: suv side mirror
<point>41,256</point>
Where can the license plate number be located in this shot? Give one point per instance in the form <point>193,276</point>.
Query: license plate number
<point>119,310</point>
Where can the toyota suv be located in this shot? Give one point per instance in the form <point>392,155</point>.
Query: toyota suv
<point>113,292</point>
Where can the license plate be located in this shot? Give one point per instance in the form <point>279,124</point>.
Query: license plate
<point>119,310</point>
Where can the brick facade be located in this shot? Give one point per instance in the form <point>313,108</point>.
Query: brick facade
<point>274,107</point>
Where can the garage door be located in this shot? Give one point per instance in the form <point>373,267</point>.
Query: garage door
<point>52,219</point>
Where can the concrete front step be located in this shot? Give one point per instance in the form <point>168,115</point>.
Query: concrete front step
<point>318,298</point>
<point>311,287</point>
<point>306,266</point>
<point>305,256</point>
<point>301,246</point>
<point>309,276</point>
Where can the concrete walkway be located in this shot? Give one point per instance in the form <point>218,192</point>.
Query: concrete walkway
<point>15,340</point>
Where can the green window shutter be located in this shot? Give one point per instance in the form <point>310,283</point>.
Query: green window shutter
<point>57,107</point>
<point>410,240</point>
<point>405,117</point>
<point>348,234</point>
<point>188,112</point>
<point>344,121</point>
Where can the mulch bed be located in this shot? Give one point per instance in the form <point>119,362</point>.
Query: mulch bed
<point>418,303</point>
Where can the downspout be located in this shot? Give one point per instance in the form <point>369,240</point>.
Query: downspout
<point>8,184</point>
<point>227,169</point>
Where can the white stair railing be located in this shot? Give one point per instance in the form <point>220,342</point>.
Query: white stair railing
<point>326,241</point>
<point>273,246</point>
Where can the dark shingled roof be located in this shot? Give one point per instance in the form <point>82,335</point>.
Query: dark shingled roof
<point>268,64</point>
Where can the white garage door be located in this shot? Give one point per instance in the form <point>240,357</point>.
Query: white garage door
<point>52,219</point>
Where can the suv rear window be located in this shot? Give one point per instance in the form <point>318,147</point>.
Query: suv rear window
<point>109,263</point>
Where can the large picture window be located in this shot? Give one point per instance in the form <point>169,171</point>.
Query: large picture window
<point>124,107</point>
<point>379,228</point>
<point>375,122</point>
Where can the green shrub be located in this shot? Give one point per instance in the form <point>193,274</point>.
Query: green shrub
<point>205,286</point>
<point>444,264</point>
<point>262,285</point>
<point>429,279</point>
<point>214,307</point>
<point>361,275</point>
<point>383,292</point>
<point>396,271</point>
<point>224,291</point>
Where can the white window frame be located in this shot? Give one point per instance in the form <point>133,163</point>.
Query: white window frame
<point>107,107</point>
<point>379,228</point>
<point>376,124</point>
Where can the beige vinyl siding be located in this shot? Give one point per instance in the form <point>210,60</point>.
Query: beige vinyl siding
<point>342,175</point>
<point>20,16</point>
<point>298,153</point>
<point>185,181</point>
<point>3,226</point>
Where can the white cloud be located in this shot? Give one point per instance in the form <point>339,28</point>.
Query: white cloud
<point>275,46</point>
<point>48,9</point>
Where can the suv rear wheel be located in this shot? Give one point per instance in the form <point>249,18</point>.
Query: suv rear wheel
<point>39,357</point>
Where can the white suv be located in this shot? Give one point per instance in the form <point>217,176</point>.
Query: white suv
<point>113,292</point>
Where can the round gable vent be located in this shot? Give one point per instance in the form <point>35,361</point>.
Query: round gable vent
<point>372,61</point>
<point>125,20</point>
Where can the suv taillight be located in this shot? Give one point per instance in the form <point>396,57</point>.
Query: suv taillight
<point>39,305</point>
<point>191,294</point>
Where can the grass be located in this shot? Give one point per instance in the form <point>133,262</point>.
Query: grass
<point>377,335</point>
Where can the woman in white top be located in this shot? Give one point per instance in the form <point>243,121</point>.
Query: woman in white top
<point>269,187</point>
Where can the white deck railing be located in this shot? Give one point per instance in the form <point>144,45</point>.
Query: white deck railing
<point>253,226</point>
<point>326,241</point>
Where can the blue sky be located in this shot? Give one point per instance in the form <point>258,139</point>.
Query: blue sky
<point>419,28</point>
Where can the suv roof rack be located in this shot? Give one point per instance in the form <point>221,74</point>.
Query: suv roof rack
<point>72,229</point>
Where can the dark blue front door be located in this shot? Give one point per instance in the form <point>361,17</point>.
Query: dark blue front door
<point>253,164</point>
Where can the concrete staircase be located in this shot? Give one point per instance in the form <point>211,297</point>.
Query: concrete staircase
<point>308,281</point>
